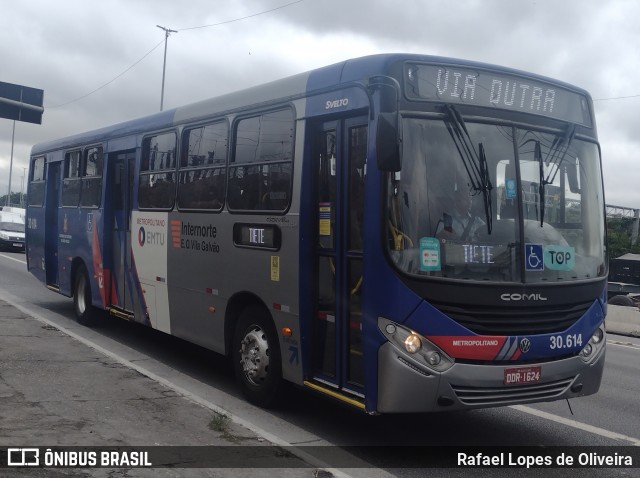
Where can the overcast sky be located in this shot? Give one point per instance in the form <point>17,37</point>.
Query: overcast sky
<point>71,48</point>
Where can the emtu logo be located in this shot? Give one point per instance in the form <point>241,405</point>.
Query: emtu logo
<point>150,238</point>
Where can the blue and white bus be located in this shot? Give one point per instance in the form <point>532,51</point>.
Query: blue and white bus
<point>403,233</point>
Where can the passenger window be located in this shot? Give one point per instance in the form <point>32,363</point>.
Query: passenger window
<point>261,170</point>
<point>71,184</point>
<point>157,185</point>
<point>91,189</point>
<point>35,194</point>
<point>202,174</point>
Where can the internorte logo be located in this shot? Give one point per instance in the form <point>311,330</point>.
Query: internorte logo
<point>196,237</point>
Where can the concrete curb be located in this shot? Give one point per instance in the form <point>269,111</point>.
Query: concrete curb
<point>623,320</point>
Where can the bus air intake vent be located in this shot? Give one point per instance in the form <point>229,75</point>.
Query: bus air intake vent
<point>499,396</point>
<point>515,320</point>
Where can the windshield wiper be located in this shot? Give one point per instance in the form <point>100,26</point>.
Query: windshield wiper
<point>558,151</point>
<point>475,163</point>
<point>543,181</point>
<point>458,131</point>
<point>486,187</point>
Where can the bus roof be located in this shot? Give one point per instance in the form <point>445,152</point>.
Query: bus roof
<point>324,78</point>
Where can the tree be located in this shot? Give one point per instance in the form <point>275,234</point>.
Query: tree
<point>619,235</point>
<point>15,200</point>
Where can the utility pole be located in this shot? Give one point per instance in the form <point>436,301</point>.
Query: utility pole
<point>13,136</point>
<point>167,32</point>
<point>24,175</point>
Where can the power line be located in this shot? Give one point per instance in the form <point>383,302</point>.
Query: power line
<point>617,98</point>
<point>242,18</point>
<point>109,82</point>
<point>163,41</point>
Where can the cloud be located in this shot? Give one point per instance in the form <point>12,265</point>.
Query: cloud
<point>72,47</point>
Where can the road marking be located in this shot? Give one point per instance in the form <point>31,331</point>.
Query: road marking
<point>575,424</point>
<point>13,259</point>
<point>628,345</point>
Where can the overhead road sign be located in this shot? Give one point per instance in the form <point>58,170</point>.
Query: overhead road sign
<point>21,103</point>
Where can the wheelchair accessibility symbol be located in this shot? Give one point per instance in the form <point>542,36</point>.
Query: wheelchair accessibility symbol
<point>534,258</point>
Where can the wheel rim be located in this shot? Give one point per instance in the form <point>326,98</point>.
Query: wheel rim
<point>254,355</point>
<point>80,295</point>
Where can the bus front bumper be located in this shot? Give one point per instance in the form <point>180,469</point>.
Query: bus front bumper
<point>407,386</point>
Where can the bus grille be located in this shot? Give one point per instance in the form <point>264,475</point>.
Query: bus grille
<point>515,321</point>
<point>490,396</point>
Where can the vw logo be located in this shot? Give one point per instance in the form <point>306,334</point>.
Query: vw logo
<point>525,345</point>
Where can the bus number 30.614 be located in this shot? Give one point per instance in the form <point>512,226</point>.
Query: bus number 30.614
<point>565,341</point>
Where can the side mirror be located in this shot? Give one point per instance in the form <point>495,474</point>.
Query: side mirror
<point>388,142</point>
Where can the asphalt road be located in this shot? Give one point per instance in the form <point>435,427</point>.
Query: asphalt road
<point>610,418</point>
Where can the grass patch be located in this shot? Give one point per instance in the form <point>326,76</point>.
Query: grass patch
<point>220,422</point>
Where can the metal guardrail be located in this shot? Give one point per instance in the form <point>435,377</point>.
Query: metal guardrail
<point>626,212</point>
<point>620,211</point>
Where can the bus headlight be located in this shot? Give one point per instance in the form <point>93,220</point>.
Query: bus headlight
<point>595,344</point>
<point>434,358</point>
<point>597,336</point>
<point>415,347</point>
<point>412,343</point>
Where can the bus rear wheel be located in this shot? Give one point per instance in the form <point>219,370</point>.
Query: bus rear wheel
<point>85,312</point>
<point>256,357</point>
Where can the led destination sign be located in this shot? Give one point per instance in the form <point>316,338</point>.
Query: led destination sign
<point>259,236</point>
<point>497,90</point>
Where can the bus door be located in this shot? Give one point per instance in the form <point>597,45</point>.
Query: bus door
<point>339,176</point>
<point>122,187</point>
<point>51,235</point>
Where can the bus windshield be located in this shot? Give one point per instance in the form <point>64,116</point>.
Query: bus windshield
<point>478,201</point>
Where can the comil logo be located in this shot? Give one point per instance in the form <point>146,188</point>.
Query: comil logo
<point>522,297</point>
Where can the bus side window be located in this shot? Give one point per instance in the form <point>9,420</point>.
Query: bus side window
<point>157,185</point>
<point>91,183</point>
<point>203,162</point>
<point>71,184</point>
<point>260,172</point>
<point>35,194</point>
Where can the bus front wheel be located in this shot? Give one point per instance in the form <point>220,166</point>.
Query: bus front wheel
<point>256,357</point>
<point>85,313</point>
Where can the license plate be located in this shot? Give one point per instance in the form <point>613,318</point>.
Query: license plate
<point>522,375</point>
<point>17,244</point>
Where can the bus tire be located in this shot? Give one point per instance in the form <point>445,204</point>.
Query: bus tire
<point>256,357</point>
<point>623,300</point>
<point>85,312</point>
